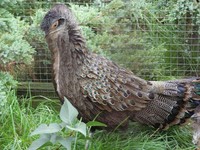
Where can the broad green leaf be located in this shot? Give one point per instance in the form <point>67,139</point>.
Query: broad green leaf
<point>53,138</point>
<point>66,142</point>
<point>62,124</point>
<point>68,112</point>
<point>39,142</point>
<point>80,127</point>
<point>44,128</point>
<point>95,124</point>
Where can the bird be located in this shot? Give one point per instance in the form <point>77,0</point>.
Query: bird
<point>101,89</point>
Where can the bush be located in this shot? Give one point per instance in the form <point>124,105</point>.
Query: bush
<point>131,29</point>
<point>13,47</point>
<point>7,83</point>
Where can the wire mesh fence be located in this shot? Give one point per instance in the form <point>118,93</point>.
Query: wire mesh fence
<point>157,40</point>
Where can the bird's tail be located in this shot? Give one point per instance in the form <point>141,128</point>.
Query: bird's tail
<point>173,104</point>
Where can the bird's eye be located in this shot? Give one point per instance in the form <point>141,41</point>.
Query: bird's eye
<point>55,25</point>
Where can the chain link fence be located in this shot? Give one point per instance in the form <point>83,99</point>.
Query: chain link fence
<point>157,40</point>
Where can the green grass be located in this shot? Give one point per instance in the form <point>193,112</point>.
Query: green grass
<point>20,118</point>
<point>144,138</point>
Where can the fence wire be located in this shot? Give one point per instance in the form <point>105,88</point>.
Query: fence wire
<point>152,47</point>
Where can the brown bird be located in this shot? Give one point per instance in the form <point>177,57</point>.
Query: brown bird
<point>96,86</point>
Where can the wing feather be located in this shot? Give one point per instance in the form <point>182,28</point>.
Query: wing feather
<point>111,86</point>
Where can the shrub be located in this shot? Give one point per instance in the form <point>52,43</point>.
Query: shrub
<point>13,47</point>
<point>6,84</point>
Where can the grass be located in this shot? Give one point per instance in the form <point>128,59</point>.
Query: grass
<point>20,118</point>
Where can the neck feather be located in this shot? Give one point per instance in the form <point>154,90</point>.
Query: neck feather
<point>68,56</point>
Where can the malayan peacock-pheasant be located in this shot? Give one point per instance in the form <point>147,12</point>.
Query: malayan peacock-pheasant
<point>97,86</point>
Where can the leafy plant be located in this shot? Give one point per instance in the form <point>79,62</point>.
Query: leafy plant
<point>51,133</point>
<point>42,58</point>
<point>21,116</point>
<point>9,3</point>
<point>128,28</point>
<point>6,83</point>
<point>111,31</point>
<point>185,16</point>
<point>13,47</point>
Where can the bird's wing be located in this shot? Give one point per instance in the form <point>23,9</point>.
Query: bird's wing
<point>107,84</point>
<point>157,103</point>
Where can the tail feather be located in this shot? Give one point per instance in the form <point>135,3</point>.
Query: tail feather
<point>191,99</point>
<point>174,103</point>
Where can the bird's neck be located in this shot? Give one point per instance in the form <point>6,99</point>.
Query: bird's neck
<point>68,57</point>
<point>77,40</point>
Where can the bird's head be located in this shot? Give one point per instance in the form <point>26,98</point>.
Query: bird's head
<point>58,22</point>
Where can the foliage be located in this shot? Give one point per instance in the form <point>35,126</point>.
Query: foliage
<point>13,47</point>
<point>143,138</point>
<point>128,28</point>
<point>112,31</point>
<point>9,3</point>
<point>183,8</point>
<point>50,133</point>
<point>6,83</point>
<point>35,37</point>
<point>185,16</point>
<point>134,33</point>
<point>21,116</point>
